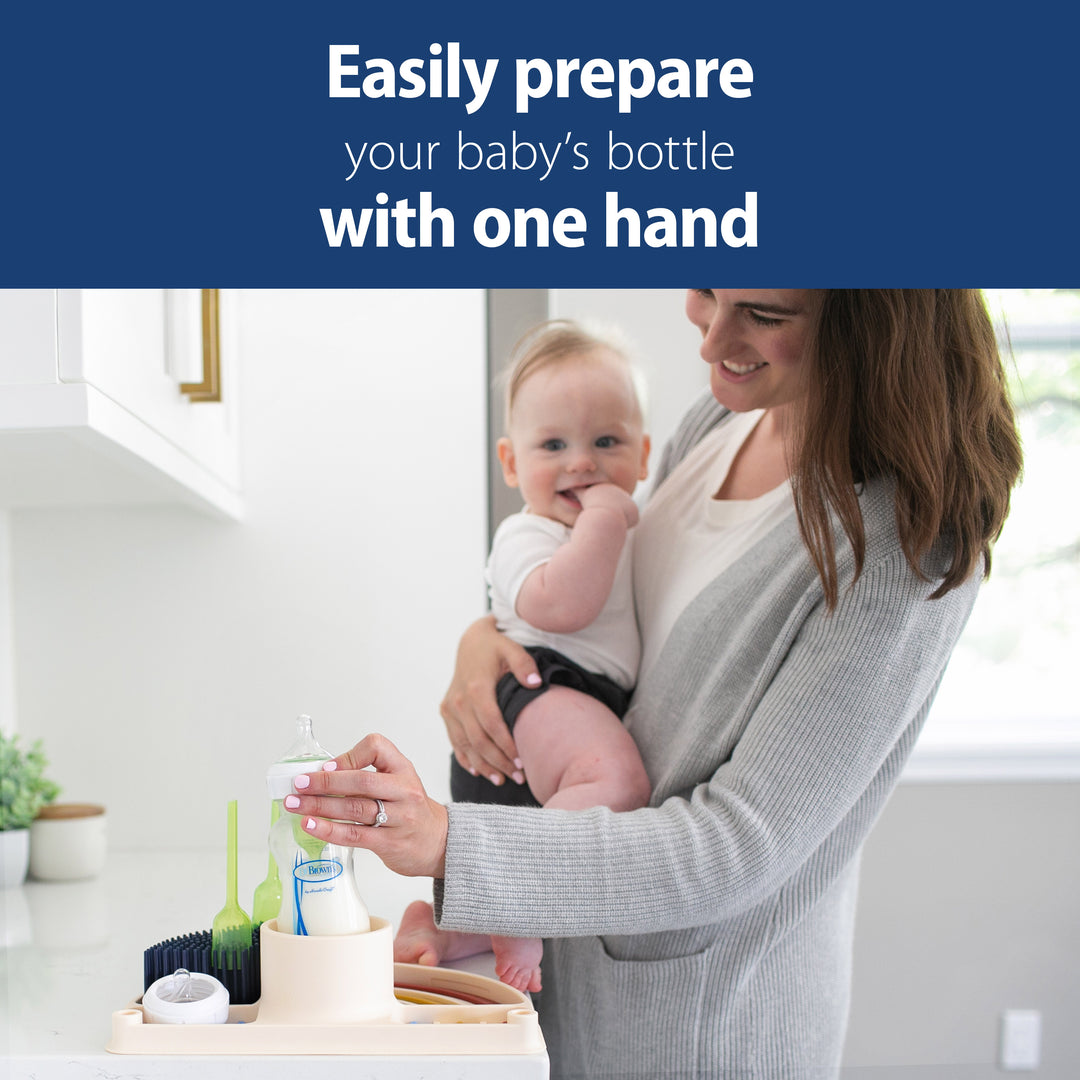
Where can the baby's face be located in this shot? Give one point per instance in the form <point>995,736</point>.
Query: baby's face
<point>575,423</point>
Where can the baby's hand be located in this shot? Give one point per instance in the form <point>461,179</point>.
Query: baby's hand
<point>610,497</point>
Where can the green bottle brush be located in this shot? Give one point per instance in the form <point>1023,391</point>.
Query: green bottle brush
<point>267,901</point>
<point>231,932</point>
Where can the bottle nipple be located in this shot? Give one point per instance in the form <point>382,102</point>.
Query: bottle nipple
<point>305,755</point>
<point>306,747</point>
<point>182,983</point>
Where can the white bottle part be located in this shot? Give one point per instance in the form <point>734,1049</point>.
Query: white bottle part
<point>186,997</point>
<point>318,887</point>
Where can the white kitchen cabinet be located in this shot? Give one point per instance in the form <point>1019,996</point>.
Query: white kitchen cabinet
<point>96,399</point>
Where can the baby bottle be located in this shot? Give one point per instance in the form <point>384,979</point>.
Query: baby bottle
<point>318,893</point>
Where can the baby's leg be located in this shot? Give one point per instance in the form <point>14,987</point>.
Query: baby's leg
<point>577,753</point>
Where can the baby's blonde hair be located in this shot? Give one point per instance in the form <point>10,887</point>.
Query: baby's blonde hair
<point>555,340</point>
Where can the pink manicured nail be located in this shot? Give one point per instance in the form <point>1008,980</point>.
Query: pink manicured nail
<point>291,802</point>
<point>330,766</point>
<point>518,763</point>
<point>519,778</point>
<point>473,771</point>
<point>309,824</point>
<point>300,782</point>
<point>495,778</point>
<point>533,680</point>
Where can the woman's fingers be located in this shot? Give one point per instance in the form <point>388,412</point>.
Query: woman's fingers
<point>356,808</point>
<point>479,735</point>
<point>497,748</point>
<point>482,743</point>
<point>411,843</point>
<point>520,663</point>
<point>339,805</point>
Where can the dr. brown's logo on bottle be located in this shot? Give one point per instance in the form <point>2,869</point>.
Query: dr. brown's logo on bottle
<point>317,870</point>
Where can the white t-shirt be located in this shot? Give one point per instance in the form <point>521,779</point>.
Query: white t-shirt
<point>686,537</point>
<point>609,645</point>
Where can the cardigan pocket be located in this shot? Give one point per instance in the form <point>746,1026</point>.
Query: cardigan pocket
<point>629,1018</point>
<point>665,945</point>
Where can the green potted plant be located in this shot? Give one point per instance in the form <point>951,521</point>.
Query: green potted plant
<point>24,790</point>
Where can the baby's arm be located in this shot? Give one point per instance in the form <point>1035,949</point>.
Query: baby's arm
<point>567,592</point>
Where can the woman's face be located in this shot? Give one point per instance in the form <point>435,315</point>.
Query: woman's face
<point>753,341</point>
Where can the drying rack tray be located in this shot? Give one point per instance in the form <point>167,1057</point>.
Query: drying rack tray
<point>503,1022</point>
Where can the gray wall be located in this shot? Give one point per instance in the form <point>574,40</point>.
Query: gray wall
<point>510,313</point>
<point>968,906</point>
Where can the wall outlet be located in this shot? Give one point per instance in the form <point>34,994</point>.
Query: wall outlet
<point>1021,1038</point>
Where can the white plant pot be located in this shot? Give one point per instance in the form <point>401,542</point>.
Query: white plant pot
<point>14,857</point>
<point>67,842</point>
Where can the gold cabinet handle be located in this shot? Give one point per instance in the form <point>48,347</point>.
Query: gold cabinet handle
<point>210,387</point>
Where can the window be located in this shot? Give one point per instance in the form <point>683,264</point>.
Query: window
<point>1009,706</point>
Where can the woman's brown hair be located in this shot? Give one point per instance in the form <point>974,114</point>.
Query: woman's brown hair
<point>908,384</point>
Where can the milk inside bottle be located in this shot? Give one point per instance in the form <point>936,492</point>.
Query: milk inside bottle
<point>319,893</point>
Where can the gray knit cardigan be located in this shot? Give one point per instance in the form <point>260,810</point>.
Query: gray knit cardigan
<point>709,934</point>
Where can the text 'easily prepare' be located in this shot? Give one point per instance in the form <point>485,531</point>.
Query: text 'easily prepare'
<point>451,75</point>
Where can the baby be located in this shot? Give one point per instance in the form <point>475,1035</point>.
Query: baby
<point>559,580</point>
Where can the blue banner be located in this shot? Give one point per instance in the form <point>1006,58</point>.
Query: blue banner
<point>344,144</point>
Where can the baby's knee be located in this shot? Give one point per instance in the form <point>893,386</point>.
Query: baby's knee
<point>632,783</point>
<point>640,789</point>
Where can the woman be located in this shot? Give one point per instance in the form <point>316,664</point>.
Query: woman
<point>804,568</point>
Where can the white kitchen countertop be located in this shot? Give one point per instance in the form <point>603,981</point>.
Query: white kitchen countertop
<point>73,955</point>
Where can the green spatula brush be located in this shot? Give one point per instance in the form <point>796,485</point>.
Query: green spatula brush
<point>231,932</point>
<point>267,900</point>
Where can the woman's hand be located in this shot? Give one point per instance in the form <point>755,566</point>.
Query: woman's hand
<point>482,742</point>
<point>340,804</point>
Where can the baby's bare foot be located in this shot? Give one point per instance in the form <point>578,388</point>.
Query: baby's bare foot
<point>420,941</point>
<point>517,962</point>
<point>417,939</point>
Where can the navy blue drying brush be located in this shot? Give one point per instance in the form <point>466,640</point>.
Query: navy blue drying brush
<point>194,952</point>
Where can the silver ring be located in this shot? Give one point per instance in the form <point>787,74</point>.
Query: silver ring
<point>380,817</point>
